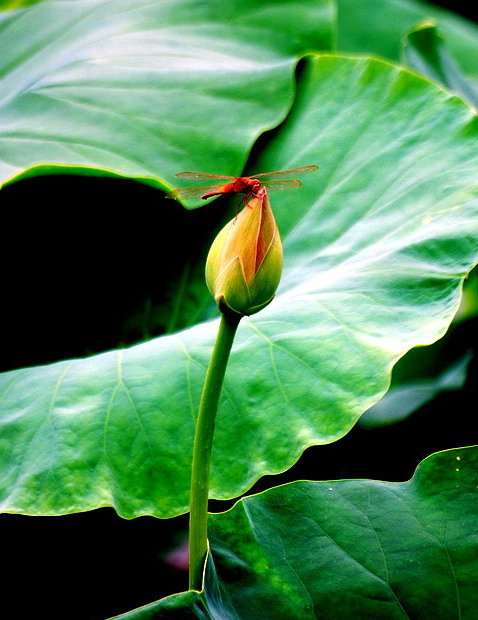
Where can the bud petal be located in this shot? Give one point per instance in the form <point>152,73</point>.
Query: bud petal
<point>244,264</point>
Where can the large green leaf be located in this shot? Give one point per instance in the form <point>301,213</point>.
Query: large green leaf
<point>376,247</point>
<point>147,89</point>
<point>345,549</point>
<point>425,52</point>
<point>378,27</point>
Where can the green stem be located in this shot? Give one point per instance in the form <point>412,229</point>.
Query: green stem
<point>203,439</point>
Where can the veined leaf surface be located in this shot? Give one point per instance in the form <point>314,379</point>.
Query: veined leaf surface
<point>426,52</point>
<point>378,27</point>
<point>376,248</point>
<point>344,549</point>
<point>147,89</point>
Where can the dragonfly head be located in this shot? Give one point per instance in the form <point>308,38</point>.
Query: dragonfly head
<point>254,186</point>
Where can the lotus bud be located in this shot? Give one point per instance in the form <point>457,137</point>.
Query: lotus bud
<point>244,264</point>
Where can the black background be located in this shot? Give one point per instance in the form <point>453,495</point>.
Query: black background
<point>467,9</point>
<point>61,302</point>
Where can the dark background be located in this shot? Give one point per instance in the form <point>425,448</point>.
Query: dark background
<point>467,9</point>
<point>60,301</point>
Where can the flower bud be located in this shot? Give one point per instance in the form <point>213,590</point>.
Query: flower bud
<point>244,264</point>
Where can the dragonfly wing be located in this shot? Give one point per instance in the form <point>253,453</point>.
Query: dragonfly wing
<point>290,172</point>
<point>189,193</point>
<point>274,186</point>
<point>201,175</point>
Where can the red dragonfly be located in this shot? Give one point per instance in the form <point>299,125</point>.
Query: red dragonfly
<point>238,185</point>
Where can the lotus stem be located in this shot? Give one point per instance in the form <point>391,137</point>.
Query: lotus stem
<point>203,441</point>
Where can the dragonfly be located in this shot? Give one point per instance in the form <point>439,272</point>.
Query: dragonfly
<point>249,186</point>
